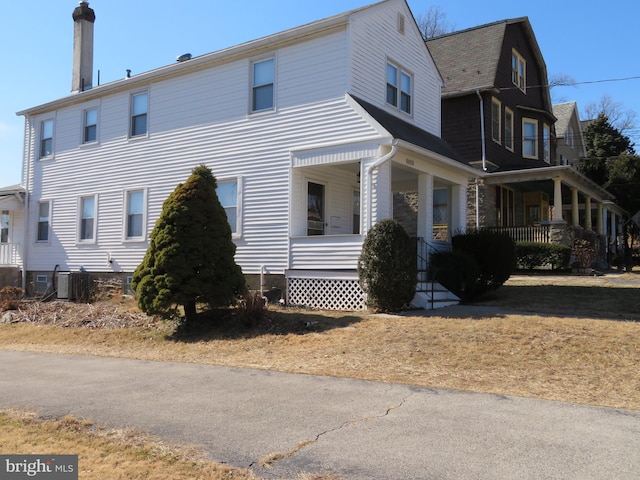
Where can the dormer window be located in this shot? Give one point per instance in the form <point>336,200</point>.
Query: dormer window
<point>518,70</point>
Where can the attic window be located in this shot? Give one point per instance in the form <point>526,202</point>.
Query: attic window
<point>401,24</point>
<point>518,70</point>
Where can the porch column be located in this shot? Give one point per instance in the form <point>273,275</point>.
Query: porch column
<point>458,210</point>
<point>557,200</point>
<point>599,230</point>
<point>425,206</point>
<point>614,233</point>
<point>587,213</point>
<point>605,220</point>
<point>575,208</point>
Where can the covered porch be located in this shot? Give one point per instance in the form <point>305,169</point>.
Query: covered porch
<point>11,234</point>
<point>545,204</point>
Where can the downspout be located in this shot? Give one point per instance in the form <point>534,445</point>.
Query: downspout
<point>368,173</point>
<point>25,229</point>
<point>484,147</point>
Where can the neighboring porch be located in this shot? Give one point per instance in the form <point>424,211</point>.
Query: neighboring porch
<point>546,204</point>
<point>11,235</point>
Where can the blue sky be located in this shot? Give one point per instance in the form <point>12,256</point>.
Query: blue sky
<point>588,41</point>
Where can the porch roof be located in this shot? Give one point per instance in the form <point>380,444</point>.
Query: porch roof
<point>409,133</point>
<point>11,198</point>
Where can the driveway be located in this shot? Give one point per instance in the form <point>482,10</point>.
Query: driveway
<point>356,429</point>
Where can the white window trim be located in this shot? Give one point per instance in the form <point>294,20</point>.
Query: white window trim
<point>512,123</point>
<point>49,220</point>
<point>401,70</point>
<point>93,238</point>
<point>497,103</point>
<point>125,220</point>
<point>130,132</point>
<point>535,147</point>
<point>253,61</point>
<point>239,184</point>
<point>519,81</point>
<point>84,125</point>
<point>41,156</point>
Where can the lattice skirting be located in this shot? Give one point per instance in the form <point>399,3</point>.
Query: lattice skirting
<point>326,293</point>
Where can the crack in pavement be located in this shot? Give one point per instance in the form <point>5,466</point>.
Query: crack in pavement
<point>269,460</point>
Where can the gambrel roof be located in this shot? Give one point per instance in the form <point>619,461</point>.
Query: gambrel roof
<point>468,59</point>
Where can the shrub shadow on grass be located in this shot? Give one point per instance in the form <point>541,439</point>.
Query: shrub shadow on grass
<point>229,324</point>
<point>619,303</point>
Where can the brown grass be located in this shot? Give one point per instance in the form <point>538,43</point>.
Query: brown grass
<point>571,346</point>
<point>108,454</point>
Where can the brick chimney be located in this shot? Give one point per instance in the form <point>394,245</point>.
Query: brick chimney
<point>82,75</point>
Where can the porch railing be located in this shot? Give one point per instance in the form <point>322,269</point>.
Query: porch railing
<point>424,251</point>
<point>529,233</point>
<point>9,254</point>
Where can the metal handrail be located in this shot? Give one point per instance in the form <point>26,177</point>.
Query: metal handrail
<point>424,251</point>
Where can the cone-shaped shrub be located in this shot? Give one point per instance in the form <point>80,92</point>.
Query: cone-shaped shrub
<point>190,258</point>
<point>388,267</point>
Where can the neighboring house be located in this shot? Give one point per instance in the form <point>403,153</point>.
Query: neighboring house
<point>497,113</point>
<point>11,235</point>
<point>309,132</point>
<point>570,147</point>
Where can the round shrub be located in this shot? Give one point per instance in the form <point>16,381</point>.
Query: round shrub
<point>387,267</point>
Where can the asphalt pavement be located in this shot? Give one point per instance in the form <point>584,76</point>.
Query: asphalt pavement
<point>354,429</point>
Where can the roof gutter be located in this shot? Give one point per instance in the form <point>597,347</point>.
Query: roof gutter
<point>484,146</point>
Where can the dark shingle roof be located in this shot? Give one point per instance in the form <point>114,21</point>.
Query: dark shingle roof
<point>402,130</point>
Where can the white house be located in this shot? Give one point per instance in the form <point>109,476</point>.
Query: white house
<point>309,133</point>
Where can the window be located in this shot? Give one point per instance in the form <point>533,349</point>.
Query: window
<point>546,143</point>
<point>355,212</point>
<point>398,88</point>
<point>508,128</point>
<point>227,192</point>
<point>496,120</point>
<point>4,226</point>
<point>262,83</point>
<point>90,132</point>
<point>568,137</point>
<point>44,211</point>
<point>139,107</point>
<point>518,70</point>
<point>505,207</point>
<point>529,138</point>
<point>46,138</point>
<point>87,218</point>
<point>315,209</point>
<point>135,214</point>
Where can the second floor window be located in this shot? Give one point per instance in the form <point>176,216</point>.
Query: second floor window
<point>139,107</point>
<point>496,120</point>
<point>46,138</point>
<point>399,88</point>
<point>262,85</point>
<point>546,143</point>
<point>90,133</point>
<point>508,129</point>
<point>529,138</point>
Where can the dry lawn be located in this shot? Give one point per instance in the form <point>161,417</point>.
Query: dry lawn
<point>108,454</point>
<point>579,341</point>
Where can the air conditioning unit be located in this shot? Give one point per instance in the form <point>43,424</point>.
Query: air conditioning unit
<point>73,286</point>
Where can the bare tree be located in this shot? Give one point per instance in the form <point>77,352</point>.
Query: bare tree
<point>623,119</point>
<point>434,22</point>
<point>560,80</point>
